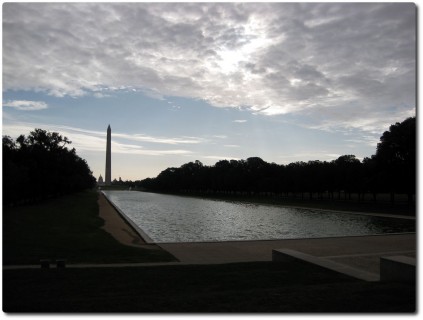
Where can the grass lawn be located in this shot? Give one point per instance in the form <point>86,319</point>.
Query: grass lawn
<point>241,287</point>
<point>68,228</point>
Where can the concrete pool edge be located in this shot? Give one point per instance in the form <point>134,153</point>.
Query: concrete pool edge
<point>287,239</point>
<point>134,226</point>
<point>374,214</point>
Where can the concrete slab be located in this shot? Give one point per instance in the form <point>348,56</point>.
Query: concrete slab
<point>398,268</point>
<point>287,255</point>
<point>362,252</point>
<point>370,262</point>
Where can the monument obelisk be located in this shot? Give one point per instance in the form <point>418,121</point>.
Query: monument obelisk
<point>108,177</point>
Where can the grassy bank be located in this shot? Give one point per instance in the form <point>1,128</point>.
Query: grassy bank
<point>68,227</point>
<point>242,287</point>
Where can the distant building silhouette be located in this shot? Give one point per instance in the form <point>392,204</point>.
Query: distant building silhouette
<point>100,181</point>
<point>108,177</point>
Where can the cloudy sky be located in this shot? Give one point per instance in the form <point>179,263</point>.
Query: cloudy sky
<point>180,82</point>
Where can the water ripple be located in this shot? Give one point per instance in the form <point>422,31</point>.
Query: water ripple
<point>168,218</point>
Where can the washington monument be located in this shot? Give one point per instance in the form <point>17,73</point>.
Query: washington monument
<point>108,177</point>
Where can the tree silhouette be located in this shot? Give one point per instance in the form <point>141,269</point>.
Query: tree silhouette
<point>40,166</point>
<point>392,169</point>
<point>396,157</point>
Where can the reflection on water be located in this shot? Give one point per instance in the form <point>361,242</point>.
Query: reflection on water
<point>167,218</point>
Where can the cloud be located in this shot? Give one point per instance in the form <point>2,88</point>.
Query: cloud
<point>164,140</point>
<point>26,105</point>
<point>139,150</point>
<point>239,121</point>
<point>95,141</point>
<point>305,157</point>
<point>349,61</point>
<point>221,158</point>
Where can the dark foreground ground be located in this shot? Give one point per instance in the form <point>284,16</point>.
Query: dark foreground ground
<point>70,228</point>
<point>245,287</point>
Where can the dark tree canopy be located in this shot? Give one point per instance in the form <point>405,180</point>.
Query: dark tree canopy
<point>40,166</point>
<point>392,169</point>
<point>396,156</point>
<point>398,145</point>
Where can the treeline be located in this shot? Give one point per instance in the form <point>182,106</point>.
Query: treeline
<point>40,166</point>
<point>391,170</point>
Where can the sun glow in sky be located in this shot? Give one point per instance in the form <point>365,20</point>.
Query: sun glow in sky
<point>180,82</point>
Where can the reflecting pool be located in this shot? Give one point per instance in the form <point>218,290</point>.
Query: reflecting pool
<point>168,218</point>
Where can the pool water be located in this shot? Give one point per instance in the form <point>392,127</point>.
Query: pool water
<point>168,218</point>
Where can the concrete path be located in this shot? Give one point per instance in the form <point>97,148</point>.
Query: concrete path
<point>361,252</point>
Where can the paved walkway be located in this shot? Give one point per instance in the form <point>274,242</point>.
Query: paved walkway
<point>361,252</point>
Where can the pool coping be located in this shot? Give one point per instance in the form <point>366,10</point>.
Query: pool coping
<point>131,223</point>
<point>289,239</point>
<point>384,215</point>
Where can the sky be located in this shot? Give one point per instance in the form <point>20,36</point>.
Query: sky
<point>180,82</point>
